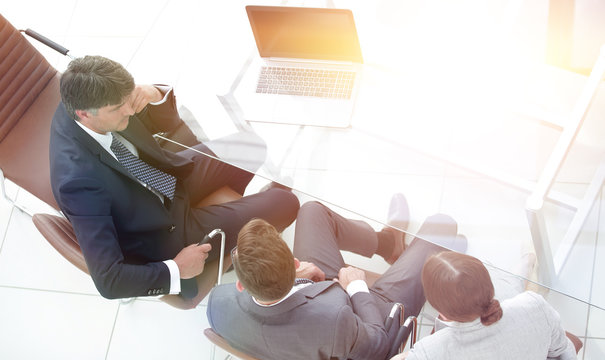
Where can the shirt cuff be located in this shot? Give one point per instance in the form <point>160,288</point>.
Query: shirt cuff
<point>356,286</point>
<point>164,89</point>
<point>175,276</point>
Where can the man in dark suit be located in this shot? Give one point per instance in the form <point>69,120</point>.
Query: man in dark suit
<point>130,201</point>
<point>270,313</point>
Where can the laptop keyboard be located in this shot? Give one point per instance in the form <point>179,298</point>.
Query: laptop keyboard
<point>335,84</point>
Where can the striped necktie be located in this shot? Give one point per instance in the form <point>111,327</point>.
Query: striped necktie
<point>157,179</point>
<point>299,281</point>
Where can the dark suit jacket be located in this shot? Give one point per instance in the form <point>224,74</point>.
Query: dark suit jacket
<point>319,321</point>
<point>124,230</point>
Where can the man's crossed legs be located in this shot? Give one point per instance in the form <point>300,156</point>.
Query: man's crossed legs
<point>321,233</point>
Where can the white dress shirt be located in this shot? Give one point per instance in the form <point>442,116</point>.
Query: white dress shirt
<point>353,288</point>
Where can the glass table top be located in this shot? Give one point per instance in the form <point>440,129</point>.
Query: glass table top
<point>457,121</point>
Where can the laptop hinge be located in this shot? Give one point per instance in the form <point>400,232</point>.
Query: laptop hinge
<point>309,61</point>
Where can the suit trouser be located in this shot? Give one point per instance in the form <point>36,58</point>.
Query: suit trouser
<point>277,206</point>
<point>321,234</point>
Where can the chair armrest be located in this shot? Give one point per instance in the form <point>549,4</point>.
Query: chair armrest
<point>407,330</point>
<point>219,341</point>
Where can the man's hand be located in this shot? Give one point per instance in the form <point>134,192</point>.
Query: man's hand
<point>191,260</point>
<point>308,270</point>
<point>348,274</point>
<point>143,95</point>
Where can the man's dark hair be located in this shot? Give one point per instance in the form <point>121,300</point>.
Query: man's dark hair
<point>263,262</point>
<point>92,82</point>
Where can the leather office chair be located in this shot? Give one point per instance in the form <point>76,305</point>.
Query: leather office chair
<point>29,98</point>
<point>30,95</point>
<point>219,341</point>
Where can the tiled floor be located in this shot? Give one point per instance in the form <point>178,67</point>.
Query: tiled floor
<point>50,309</point>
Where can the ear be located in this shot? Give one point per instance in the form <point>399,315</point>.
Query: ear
<point>296,263</point>
<point>83,114</point>
<point>239,286</point>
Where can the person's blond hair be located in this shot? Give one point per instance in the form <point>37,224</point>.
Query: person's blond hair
<point>263,262</point>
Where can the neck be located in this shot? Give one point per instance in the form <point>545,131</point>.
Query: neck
<point>87,125</point>
<point>270,302</point>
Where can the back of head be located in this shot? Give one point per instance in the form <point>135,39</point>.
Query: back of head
<point>460,288</point>
<point>92,82</point>
<point>264,264</point>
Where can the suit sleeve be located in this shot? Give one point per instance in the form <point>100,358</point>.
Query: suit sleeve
<point>362,333</point>
<point>87,205</point>
<point>164,116</point>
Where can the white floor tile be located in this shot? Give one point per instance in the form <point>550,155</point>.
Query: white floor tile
<point>50,325</point>
<point>491,216</point>
<point>588,150</point>
<point>357,151</point>
<point>428,314</point>
<point>574,278</point>
<point>50,19</point>
<point>598,291</point>
<point>594,349</point>
<point>512,144</point>
<point>120,49</point>
<point>33,204</point>
<point>134,18</point>
<point>574,313</point>
<point>154,330</point>
<point>29,261</point>
<point>596,323</point>
<point>369,194</point>
<point>6,210</point>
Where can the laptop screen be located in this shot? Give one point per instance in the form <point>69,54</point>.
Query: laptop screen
<point>305,33</point>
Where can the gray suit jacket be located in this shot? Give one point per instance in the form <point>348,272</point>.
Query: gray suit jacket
<point>319,321</point>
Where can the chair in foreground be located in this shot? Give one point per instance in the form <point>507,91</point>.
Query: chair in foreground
<point>218,340</point>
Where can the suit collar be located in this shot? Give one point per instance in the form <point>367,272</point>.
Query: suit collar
<point>148,148</point>
<point>68,127</point>
<point>297,299</point>
<point>103,139</point>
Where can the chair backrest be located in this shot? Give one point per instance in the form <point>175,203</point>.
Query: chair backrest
<point>219,341</point>
<point>30,95</point>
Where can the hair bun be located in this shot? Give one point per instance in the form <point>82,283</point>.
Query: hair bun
<point>492,313</point>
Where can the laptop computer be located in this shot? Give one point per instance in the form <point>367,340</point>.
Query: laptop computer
<point>309,68</point>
